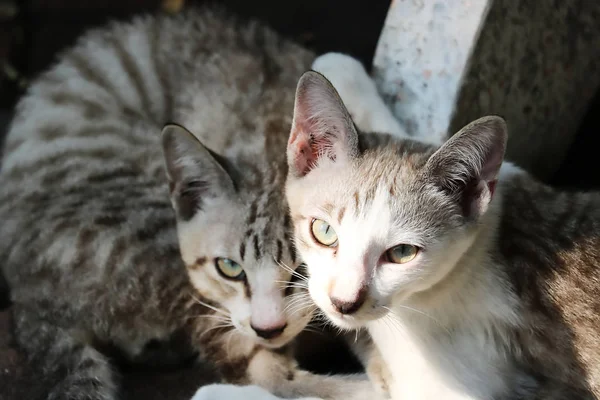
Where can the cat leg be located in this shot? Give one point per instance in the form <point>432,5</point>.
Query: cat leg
<point>81,372</point>
<point>359,94</point>
<point>233,392</point>
<point>368,354</point>
<point>279,374</point>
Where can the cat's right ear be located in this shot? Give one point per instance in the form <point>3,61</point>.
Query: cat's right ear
<point>322,126</point>
<point>193,173</point>
<point>467,165</point>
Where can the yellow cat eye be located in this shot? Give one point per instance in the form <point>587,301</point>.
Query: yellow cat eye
<point>402,253</point>
<point>323,233</point>
<point>229,269</point>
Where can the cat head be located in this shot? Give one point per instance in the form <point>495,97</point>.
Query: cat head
<point>234,239</point>
<point>382,225</point>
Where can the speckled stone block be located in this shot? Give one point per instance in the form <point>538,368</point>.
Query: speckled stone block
<point>443,63</point>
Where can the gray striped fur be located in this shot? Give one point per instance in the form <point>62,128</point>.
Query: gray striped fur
<point>88,240</point>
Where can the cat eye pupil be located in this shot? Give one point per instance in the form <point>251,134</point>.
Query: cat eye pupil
<point>402,253</point>
<point>323,233</point>
<point>229,269</point>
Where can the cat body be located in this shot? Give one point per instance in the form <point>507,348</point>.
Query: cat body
<point>474,280</point>
<point>106,254</point>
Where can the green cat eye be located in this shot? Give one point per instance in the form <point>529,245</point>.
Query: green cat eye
<point>402,253</point>
<point>230,269</point>
<point>323,233</point>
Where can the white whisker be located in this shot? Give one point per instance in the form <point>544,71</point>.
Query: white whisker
<point>215,309</point>
<point>218,326</point>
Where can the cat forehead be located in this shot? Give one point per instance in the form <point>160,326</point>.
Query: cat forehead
<point>266,225</point>
<point>393,172</point>
<point>384,186</point>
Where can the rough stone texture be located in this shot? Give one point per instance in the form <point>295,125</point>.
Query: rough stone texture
<point>421,55</point>
<point>537,64</point>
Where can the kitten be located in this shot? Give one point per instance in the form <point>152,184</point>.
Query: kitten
<point>474,280</point>
<point>91,222</point>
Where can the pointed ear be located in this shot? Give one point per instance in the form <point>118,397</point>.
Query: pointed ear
<point>194,174</point>
<point>467,165</point>
<point>322,127</point>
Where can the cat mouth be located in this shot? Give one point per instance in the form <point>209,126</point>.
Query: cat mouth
<point>275,343</point>
<point>344,321</point>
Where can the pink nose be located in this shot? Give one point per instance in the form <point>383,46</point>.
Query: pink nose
<point>269,333</point>
<point>350,307</point>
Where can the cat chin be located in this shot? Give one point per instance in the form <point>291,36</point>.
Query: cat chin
<point>346,322</point>
<point>289,334</point>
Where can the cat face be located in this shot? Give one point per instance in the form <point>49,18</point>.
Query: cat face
<point>385,226</point>
<point>234,240</point>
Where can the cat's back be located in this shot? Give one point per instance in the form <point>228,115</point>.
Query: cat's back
<point>556,231</point>
<point>550,241</point>
<point>82,180</point>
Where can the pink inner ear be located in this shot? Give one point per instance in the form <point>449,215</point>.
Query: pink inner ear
<point>304,157</point>
<point>492,187</point>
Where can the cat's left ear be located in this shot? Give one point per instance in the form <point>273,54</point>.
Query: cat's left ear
<point>467,165</point>
<point>322,126</point>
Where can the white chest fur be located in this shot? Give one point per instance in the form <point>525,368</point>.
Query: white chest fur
<point>431,365</point>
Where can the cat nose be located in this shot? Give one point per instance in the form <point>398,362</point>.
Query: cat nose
<point>269,333</point>
<point>349,307</point>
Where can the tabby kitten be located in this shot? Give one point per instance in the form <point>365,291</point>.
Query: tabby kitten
<point>89,239</point>
<point>474,280</point>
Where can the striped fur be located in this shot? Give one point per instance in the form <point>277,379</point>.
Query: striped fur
<point>89,239</point>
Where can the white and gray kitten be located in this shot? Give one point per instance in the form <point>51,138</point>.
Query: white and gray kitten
<point>90,221</point>
<point>474,280</point>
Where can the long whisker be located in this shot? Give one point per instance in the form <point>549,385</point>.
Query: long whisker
<point>300,304</point>
<point>297,284</point>
<point>298,297</point>
<point>297,305</point>
<point>291,270</point>
<point>216,317</point>
<point>308,305</point>
<point>230,335</point>
<point>438,323</point>
<point>218,326</point>
<point>215,309</point>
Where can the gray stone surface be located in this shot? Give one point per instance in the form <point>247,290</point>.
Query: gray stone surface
<point>443,63</point>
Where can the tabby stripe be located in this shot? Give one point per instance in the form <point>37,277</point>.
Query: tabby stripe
<point>242,250</point>
<point>257,253</point>
<point>84,248</point>
<point>161,71</point>
<point>49,133</point>
<point>90,74</point>
<point>116,256</point>
<point>135,76</point>
<point>252,214</point>
<point>103,131</point>
<point>92,109</point>
<point>279,250</point>
<point>25,171</point>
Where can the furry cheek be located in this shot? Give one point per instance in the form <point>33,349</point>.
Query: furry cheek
<point>240,311</point>
<point>319,282</point>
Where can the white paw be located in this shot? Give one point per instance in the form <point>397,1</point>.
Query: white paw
<point>359,93</point>
<point>233,392</point>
